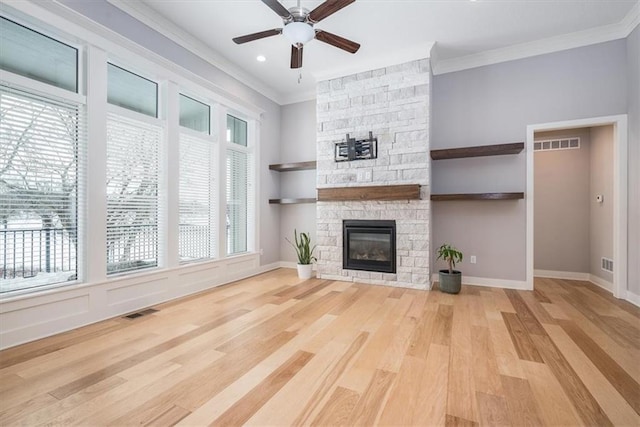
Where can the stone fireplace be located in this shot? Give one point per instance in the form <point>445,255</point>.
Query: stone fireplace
<point>393,104</point>
<point>369,245</point>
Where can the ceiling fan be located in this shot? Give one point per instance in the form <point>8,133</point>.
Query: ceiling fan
<point>298,27</point>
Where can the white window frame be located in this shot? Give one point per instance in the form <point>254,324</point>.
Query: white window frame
<point>250,149</point>
<point>40,88</point>
<point>210,137</point>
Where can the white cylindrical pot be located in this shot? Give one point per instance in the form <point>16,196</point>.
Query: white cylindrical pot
<point>304,271</point>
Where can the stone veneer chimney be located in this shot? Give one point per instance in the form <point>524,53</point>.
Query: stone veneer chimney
<point>393,103</point>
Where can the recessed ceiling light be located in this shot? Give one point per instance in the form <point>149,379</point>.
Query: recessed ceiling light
<point>261,58</point>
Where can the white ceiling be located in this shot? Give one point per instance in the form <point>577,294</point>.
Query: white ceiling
<point>389,32</point>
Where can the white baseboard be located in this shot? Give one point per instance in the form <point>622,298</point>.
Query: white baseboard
<point>289,264</point>
<point>488,282</point>
<point>632,298</point>
<point>569,275</point>
<point>572,275</point>
<point>598,281</point>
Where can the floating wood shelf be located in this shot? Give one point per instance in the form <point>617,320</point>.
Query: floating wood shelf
<point>382,192</point>
<point>477,196</point>
<point>290,167</point>
<point>291,201</point>
<point>480,151</point>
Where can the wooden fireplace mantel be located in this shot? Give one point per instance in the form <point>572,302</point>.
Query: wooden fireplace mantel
<point>379,192</point>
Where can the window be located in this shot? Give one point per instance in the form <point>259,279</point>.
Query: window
<point>239,186</point>
<point>236,131</point>
<point>131,91</point>
<point>194,114</point>
<point>34,55</point>
<point>133,152</point>
<point>197,237</point>
<point>42,143</point>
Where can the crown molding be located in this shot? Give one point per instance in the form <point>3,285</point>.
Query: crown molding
<point>296,97</point>
<point>159,23</point>
<point>577,39</point>
<point>400,56</point>
<point>631,19</point>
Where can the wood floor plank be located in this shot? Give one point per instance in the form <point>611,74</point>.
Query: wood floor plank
<point>169,417</point>
<point>564,354</point>
<point>240,412</point>
<point>370,404</point>
<point>521,338</point>
<point>461,392</point>
<point>615,374</point>
<point>485,368</point>
<point>493,410</point>
<point>97,376</point>
<point>431,407</point>
<point>332,377</point>
<point>453,421</point>
<point>443,320</point>
<point>523,408</point>
<point>526,316</point>
<point>507,357</point>
<point>555,407</point>
<point>587,407</point>
<point>613,404</point>
<point>337,410</point>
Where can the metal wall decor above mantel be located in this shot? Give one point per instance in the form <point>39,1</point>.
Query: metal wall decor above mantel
<point>356,149</point>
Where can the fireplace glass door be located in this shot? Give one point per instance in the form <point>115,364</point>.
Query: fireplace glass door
<point>369,245</point>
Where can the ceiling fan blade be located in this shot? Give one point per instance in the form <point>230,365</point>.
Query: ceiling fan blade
<point>278,8</point>
<point>327,8</point>
<point>337,41</point>
<point>256,36</point>
<point>296,57</point>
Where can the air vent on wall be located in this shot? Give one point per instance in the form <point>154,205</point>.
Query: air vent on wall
<point>557,144</point>
<point>606,264</point>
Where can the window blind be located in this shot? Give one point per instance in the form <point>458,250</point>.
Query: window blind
<point>197,203</point>
<point>42,143</point>
<point>133,152</point>
<point>237,186</point>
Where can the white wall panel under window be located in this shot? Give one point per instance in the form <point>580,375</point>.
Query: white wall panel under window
<point>133,153</point>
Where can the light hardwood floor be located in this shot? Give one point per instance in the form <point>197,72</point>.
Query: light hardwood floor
<point>274,350</point>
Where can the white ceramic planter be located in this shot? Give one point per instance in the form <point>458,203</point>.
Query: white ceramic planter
<point>304,271</point>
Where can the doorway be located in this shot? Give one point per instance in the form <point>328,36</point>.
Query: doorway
<point>618,202</point>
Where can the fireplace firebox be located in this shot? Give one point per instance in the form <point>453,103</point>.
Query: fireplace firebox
<point>369,245</point>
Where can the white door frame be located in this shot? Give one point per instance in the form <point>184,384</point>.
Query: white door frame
<point>620,195</point>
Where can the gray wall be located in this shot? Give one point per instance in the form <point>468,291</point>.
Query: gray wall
<point>113,18</point>
<point>601,214</point>
<point>494,104</point>
<point>561,212</point>
<point>633,82</point>
<point>298,144</point>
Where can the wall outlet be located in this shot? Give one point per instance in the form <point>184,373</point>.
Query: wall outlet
<point>472,259</point>
<point>261,251</point>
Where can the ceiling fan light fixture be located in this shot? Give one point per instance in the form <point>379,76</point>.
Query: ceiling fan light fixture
<point>298,33</point>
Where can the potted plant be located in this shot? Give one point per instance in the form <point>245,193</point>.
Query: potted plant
<point>305,253</point>
<point>450,279</point>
